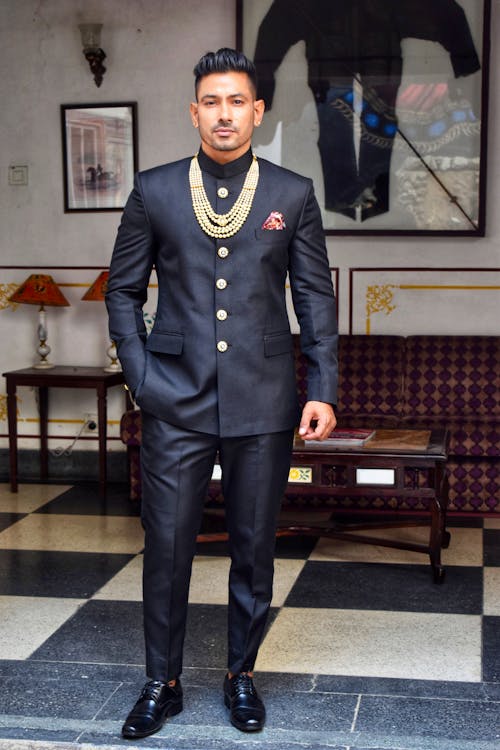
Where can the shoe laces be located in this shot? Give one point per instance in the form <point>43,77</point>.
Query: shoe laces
<point>151,691</point>
<point>243,683</point>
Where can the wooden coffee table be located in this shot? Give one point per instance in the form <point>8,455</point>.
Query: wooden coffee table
<point>395,463</point>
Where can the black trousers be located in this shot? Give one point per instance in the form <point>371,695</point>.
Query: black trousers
<point>176,469</point>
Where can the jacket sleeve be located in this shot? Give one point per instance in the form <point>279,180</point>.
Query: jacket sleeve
<point>131,265</point>
<point>278,31</point>
<point>314,302</point>
<point>444,22</point>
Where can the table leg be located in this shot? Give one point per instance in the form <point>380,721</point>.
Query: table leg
<point>12,421</point>
<point>102,430</point>
<point>439,537</point>
<point>43,406</point>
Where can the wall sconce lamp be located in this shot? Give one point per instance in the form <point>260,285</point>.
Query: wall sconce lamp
<point>91,42</point>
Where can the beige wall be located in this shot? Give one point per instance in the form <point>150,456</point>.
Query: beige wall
<point>151,47</point>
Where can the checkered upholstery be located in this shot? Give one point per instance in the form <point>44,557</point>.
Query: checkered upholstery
<point>457,376</point>
<point>391,381</point>
<point>130,433</point>
<point>455,381</point>
<point>370,377</point>
<point>131,427</point>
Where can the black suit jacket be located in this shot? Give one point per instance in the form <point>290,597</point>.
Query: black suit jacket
<point>344,38</point>
<point>178,373</point>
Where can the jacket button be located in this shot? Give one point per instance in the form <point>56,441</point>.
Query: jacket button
<point>222,346</point>
<point>223,192</point>
<point>222,252</point>
<point>221,314</point>
<point>221,283</point>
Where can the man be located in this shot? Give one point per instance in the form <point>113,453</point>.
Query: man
<point>216,373</point>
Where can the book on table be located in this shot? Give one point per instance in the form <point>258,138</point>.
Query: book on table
<point>345,437</point>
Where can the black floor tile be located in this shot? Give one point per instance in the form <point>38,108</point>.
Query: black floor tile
<point>206,636</point>
<point>414,717</point>
<point>310,712</point>
<point>464,522</point>
<point>179,737</point>
<point>295,547</point>
<point>212,548</point>
<point>491,547</point>
<point>7,519</point>
<point>112,632</point>
<point>80,684</point>
<point>38,734</point>
<point>405,588</point>
<point>76,575</point>
<point>387,686</point>
<point>100,631</point>
<point>491,649</point>
<point>66,699</point>
<point>289,547</point>
<point>60,670</point>
<point>84,499</point>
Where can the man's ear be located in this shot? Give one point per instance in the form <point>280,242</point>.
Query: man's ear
<point>258,108</point>
<point>193,109</point>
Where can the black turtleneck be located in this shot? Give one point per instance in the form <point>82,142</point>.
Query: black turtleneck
<point>223,171</point>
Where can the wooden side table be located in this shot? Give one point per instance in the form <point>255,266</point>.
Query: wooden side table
<point>59,377</point>
<point>377,471</point>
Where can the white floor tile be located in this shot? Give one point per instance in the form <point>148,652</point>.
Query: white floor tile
<point>466,547</point>
<point>209,581</point>
<point>26,622</point>
<point>29,496</point>
<point>491,583</point>
<point>374,644</point>
<point>44,531</point>
<point>125,586</point>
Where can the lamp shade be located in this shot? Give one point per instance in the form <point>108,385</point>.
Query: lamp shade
<point>39,289</point>
<point>97,291</point>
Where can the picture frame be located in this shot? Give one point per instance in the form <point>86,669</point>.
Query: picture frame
<point>99,155</point>
<point>387,115</point>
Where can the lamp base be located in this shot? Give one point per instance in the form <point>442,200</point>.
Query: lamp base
<point>43,365</point>
<point>114,365</point>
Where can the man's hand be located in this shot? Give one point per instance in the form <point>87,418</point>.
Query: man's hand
<point>318,420</point>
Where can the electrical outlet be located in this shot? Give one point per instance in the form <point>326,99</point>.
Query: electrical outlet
<point>90,422</point>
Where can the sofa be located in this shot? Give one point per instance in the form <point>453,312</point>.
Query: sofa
<point>403,382</point>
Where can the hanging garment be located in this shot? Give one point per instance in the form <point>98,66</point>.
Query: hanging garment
<point>358,39</point>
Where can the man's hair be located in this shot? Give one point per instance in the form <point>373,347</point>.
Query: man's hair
<point>225,60</point>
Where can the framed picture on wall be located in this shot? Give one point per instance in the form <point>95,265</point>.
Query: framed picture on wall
<point>383,105</point>
<point>99,155</point>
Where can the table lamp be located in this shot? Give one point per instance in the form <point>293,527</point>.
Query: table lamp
<point>96,293</point>
<point>40,289</point>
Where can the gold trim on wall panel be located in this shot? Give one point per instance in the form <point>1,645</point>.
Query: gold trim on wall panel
<point>3,408</point>
<point>439,307</point>
<point>5,291</point>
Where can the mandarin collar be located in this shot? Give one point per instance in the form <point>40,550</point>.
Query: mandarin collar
<point>222,171</point>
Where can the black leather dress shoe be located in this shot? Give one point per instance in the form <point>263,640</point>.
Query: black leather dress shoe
<point>247,710</point>
<point>156,703</point>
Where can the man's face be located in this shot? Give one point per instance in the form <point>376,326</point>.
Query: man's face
<point>226,113</point>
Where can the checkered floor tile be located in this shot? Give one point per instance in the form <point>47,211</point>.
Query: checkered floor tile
<point>362,650</point>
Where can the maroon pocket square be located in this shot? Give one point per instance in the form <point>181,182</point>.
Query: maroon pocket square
<point>275,220</point>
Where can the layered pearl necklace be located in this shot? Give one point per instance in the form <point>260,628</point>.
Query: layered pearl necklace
<point>216,225</point>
